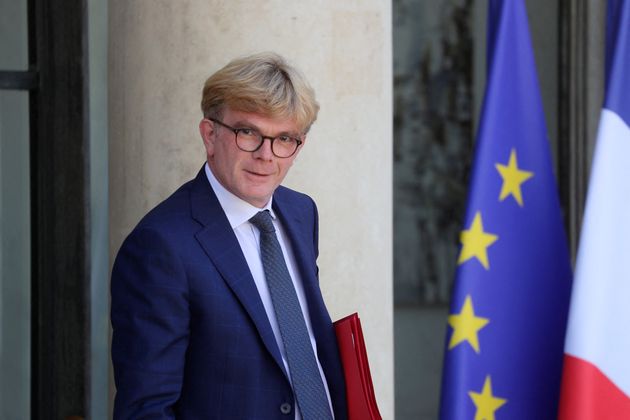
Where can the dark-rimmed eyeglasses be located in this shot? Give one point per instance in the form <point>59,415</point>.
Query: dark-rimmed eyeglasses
<point>250,140</point>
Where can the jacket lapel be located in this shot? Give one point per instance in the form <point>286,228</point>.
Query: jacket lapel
<point>220,244</point>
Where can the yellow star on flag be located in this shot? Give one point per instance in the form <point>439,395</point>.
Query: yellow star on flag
<point>513,177</point>
<point>466,326</point>
<point>475,242</point>
<point>485,402</point>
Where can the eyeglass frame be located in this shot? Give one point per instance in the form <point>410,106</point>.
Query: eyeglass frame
<point>299,142</point>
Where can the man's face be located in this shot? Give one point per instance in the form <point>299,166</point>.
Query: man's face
<point>251,176</point>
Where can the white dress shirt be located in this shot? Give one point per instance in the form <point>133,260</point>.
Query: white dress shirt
<point>238,213</point>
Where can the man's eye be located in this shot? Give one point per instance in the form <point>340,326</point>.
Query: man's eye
<point>247,132</point>
<point>285,139</point>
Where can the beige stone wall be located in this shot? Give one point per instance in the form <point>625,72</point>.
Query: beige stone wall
<point>161,51</point>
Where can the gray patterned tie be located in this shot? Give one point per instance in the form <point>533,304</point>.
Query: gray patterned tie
<point>307,382</point>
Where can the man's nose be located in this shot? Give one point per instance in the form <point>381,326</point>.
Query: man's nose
<point>265,151</point>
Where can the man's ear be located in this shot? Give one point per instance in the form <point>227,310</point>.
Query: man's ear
<point>303,143</point>
<point>206,129</point>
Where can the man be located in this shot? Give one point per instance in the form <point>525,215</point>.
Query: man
<point>216,307</point>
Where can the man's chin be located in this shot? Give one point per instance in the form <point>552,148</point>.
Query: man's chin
<point>258,198</point>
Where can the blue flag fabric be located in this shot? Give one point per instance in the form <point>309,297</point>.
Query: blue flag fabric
<point>618,58</point>
<point>508,313</point>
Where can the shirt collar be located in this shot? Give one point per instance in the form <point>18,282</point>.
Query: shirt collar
<point>237,210</point>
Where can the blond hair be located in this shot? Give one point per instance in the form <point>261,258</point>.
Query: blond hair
<point>262,83</point>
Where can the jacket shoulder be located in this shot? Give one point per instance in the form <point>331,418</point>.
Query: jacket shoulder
<point>294,197</point>
<point>171,211</point>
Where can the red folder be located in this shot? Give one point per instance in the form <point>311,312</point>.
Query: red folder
<point>359,388</point>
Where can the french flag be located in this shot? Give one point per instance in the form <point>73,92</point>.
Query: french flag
<point>596,373</point>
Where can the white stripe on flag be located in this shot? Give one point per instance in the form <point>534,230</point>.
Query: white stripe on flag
<point>599,318</point>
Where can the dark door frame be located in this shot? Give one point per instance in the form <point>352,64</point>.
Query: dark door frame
<point>581,92</point>
<point>60,213</point>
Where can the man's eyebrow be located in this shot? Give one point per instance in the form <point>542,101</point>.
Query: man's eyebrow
<point>244,123</point>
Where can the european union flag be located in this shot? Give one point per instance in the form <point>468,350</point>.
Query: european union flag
<point>504,346</point>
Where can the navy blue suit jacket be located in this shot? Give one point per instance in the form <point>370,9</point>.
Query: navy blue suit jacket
<point>191,339</point>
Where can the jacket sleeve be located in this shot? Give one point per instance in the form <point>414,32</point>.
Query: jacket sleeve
<point>150,320</point>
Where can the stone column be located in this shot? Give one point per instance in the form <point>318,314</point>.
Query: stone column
<point>161,52</point>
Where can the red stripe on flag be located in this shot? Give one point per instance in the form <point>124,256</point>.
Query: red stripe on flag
<point>588,394</point>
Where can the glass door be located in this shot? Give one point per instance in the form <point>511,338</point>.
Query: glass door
<point>15,216</point>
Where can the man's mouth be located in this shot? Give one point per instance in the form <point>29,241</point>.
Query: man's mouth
<point>258,174</point>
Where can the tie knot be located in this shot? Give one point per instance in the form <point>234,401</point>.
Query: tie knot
<point>262,220</point>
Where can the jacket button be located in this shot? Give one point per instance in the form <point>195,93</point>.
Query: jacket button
<point>285,408</point>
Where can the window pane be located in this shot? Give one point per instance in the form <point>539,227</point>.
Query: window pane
<point>13,35</point>
<point>15,257</point>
